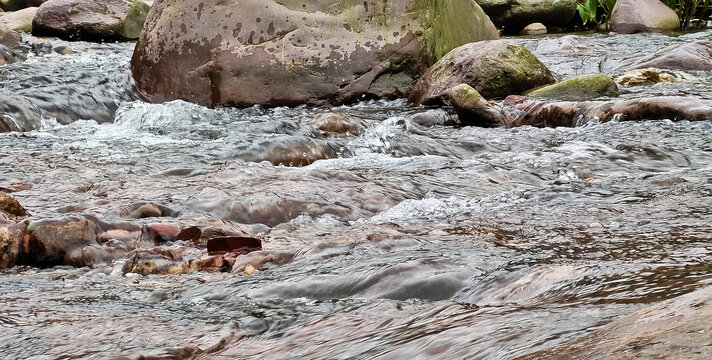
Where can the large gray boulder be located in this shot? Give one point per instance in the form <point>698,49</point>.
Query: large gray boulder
<point>514,15</point>
<point>91,20</point>
<point>289,52</point>
<point>494,68</point>
<point>635,16</point>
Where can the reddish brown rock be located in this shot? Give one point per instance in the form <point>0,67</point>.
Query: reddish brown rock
<point>48,242</point>
<point>519,111</point>
<point>292,52</point>
<point>159,261</point>
<point>191,233</point>
<point>159,233</point>
<point>9,205</point>
<point>236,244</point>
<point>634,16</point>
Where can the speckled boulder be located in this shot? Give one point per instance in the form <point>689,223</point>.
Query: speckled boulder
<point>291,52</point>
<point>90,20</point>
<point>635,16</point>
<point>494,68</point>
<point>514,15</point>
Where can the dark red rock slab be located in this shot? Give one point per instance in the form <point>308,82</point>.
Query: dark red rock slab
<point>238,244</point>
<point>159,233</point>
<point>191,233</point>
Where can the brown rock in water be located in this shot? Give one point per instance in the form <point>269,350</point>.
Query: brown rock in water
<point>9,205</point>
<point>635,16</point>
<point>48,242</point>
<point>8,249</point>
<point>237,244</point>
<point>494,68</point>
<point>146,211</point>
<point>691,56</point>
<point>645,77</point>
<point>291,52</point>
<point>90,20</point>
<point>191,233</point>
<point>159,233</point>
<point>520,111</point>
<point>677,329</point>
<point>159,261</point>
<point>335,123</point>
<point>214,263</point>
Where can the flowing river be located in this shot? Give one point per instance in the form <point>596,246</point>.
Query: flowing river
<point>403,239</point>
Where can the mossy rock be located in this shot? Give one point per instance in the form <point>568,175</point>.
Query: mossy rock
<point>471,108</point>
<point>496,69</point>
<point>580,88</point>
<point>293,52</point>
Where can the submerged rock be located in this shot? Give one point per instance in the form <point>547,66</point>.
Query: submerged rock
<point>645,77</point>
<point>675,329</point>
<point>691,56</point>
<point>91,20</point>
<point>295,52</point>
<point>516,14</point>
<point>520,111</point>
<point>494,68</point>
<point>20,20</point>
<point>634,16</point>
<point>336,124</point>
<point>579,88</point>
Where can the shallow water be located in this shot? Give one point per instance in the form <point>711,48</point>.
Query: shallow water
<point>404,240</point>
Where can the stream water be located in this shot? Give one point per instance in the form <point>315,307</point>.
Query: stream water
<point>403,240</point>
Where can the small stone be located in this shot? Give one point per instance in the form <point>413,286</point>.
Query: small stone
<point>249,269</point>
<point>534,29</point>
<point>9,205</point>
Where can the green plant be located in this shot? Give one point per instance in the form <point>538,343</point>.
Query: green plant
<point>588,11</point>
<point>688,9</point>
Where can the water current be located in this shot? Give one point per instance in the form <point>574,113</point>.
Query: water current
<point>404,239</point>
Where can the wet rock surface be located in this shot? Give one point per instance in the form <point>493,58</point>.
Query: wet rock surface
<point>675,329</point>
<point>580,88</point>
<point>410,235</point>
<point>104,20</point>
<point>293,52</point>
<point>493,68</point>
<point>691,56</point>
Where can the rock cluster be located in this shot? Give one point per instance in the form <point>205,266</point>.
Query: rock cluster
<point>294,52</point>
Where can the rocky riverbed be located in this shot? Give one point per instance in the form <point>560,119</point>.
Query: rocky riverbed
<point>386,231</point>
